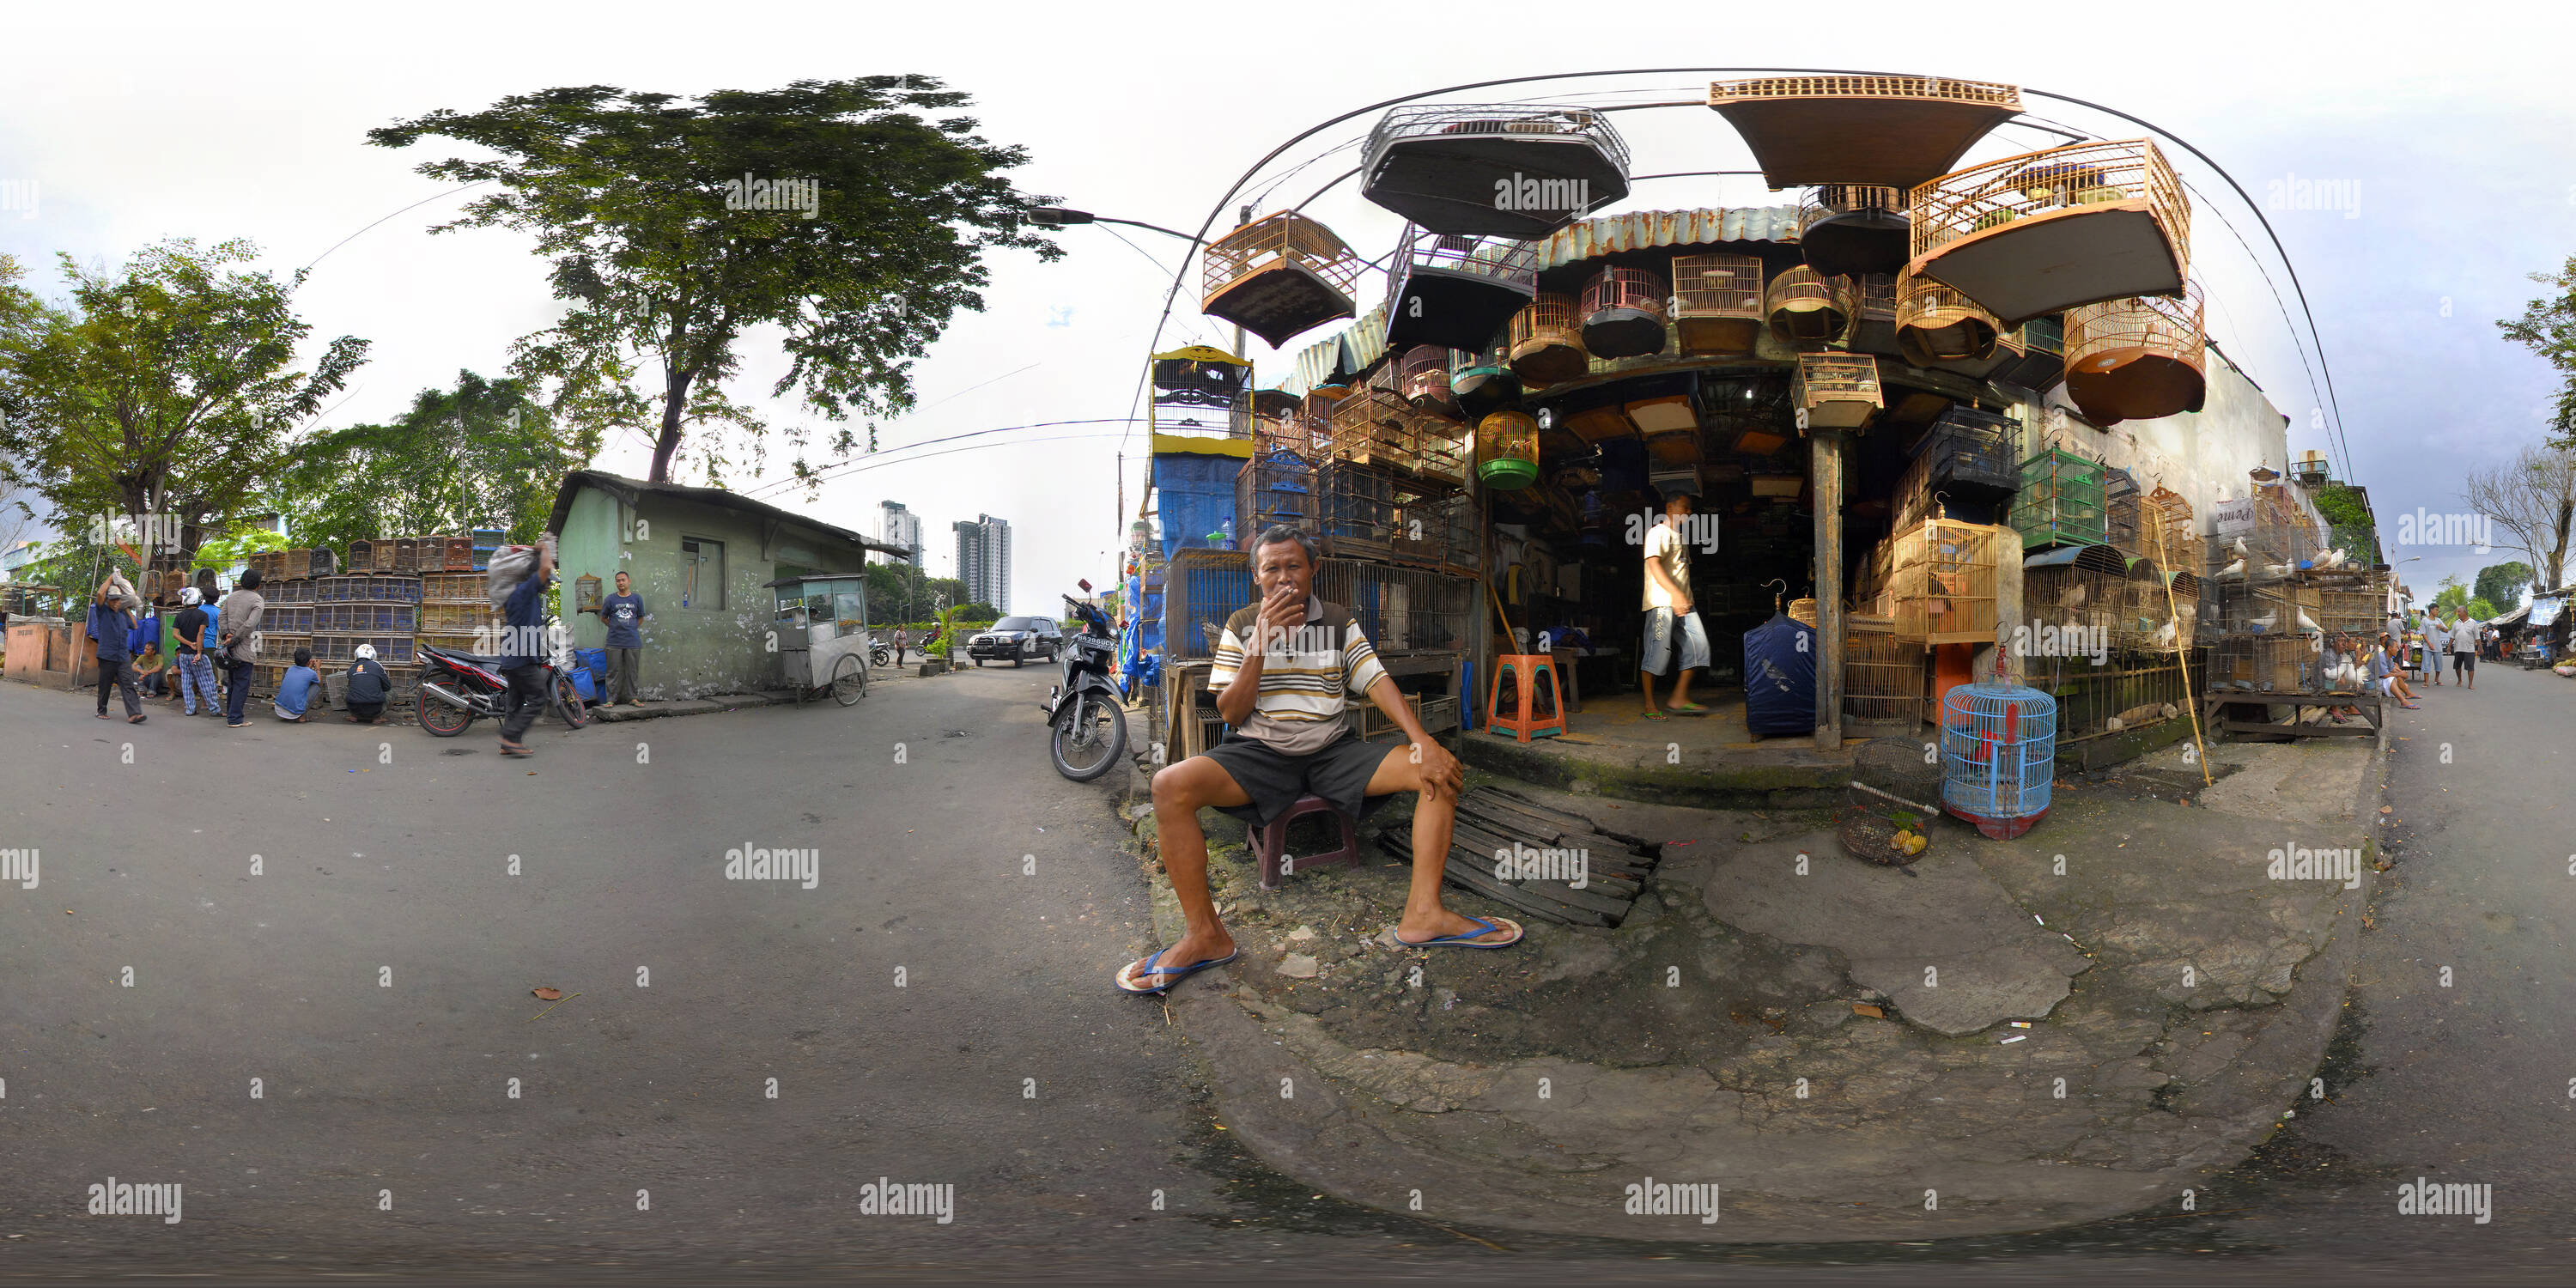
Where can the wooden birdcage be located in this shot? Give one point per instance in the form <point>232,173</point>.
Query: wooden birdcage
<point>2123,509</point>
<point>2038,360</point>
<point>1456,292</point>
<point>2138,358</point>
<point>1806,308</point>
<point>1507,451</point>
<point>1873,324</point>
<point>1623,313</point>
<point>1355,508</point>
<point>1893,130</point>
<point>1882,677</point>
<point>1423,378</point>
<point>2072,598</point>
<point>1483,381</point>
<point>1942,582</point>
<point>1969,454</point>
<point>1547,341</point>
<point>1851,229</point>
<point>1719,303</point>
<point>1935,324</point>
<point>2055,229</point>
<point>1500,170</point>
<point>1279,275</point>
<point>2168,532</point>
<point>2060,501</point>
<point>1836,390</point>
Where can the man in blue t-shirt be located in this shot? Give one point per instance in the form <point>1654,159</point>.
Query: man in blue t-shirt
<point>295,688</point>
<point>623,615</point>
<point>111,627</point>
<point>523,655</point>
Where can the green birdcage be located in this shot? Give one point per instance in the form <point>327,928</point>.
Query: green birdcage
<point>2061,502</point>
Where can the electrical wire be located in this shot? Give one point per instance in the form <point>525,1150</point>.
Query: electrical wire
<point>836,471</point>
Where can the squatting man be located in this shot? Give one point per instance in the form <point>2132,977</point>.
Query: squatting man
<point>1284,670</point>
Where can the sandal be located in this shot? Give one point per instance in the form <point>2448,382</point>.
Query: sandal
<point>1657,714</point>
<point>1176,973</point>
<point>137,718</point>
<point>516,749</point>
<point>1468,940</point>
<point>1687,709</point>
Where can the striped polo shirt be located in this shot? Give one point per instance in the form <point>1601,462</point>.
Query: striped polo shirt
<point>1307,676</point>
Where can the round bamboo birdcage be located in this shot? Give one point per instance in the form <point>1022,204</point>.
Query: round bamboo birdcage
<point>1806,307</point>
<point>2138,358</point>
<point>1848,229</point>
<point>1547,341</point>
<point>1423,377</point>
<point>1623,313</point>
<point>1718,302</point>
<point>1507,451</point>
<point>1935,323</point>
<point>1483,381</point>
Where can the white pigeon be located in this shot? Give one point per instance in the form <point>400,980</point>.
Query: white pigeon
<point>2165,635</point>
<point>2280,569</point>
<point>2073,598</point>
<point>2264,623</point>
<point>2236,569</point>
<point>2240,547</point>
<point>2307,623</point>
<point>2331,558</point>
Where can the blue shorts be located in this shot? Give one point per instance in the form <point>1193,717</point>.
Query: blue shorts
<point>1657,657</point>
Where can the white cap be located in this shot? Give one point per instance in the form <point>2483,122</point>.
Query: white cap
<point>189,595</point>
<point>366,652</point>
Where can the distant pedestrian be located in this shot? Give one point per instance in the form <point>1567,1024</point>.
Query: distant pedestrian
<point>294,700</point>
<point>111,624</point>
<point>237,638</point>
<point>2428,649</point>
<point>196,672</point>
<point>1674,640</point>
<point>623,614</point>
<point>2464,652</point>
<point>524,650</point>
<point>369,687</point>
<point>901,638</point>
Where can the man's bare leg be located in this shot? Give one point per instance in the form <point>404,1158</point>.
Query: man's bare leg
<point>1180,791</point>
<point>1681,689</point>
<point>1435,815</point>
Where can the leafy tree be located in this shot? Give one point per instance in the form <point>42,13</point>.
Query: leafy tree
<point>2352,531</point>
<point>237,544</point>
<point>165,389</point>
<point>2532,498</point>
<point>979,612</point>
<point>2548,327</point>
<point>672,234</point>
<point>483,453</point>
<point>2502,583</point>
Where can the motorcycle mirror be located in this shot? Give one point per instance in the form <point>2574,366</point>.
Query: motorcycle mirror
<point>1086,586</point>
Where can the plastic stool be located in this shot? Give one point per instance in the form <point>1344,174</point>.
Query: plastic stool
<point>1270,844</point>
<point>1527,669</point>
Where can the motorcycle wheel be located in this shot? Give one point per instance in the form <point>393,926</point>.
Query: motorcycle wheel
<point>438,717</point>
<point>1089,736</point>
<point>568,703</point>
<point>849,681</point>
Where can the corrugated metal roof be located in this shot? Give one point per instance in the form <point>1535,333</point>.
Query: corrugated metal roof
<point>1351,349</point>
<point>1648,229</point>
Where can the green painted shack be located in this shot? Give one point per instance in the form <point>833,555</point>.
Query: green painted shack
<point>698,556</point>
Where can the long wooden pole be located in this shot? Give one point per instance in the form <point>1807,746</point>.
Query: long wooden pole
<point>2173,614</point>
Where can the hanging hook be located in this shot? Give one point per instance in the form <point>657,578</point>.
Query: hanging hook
<point>1780,595</point>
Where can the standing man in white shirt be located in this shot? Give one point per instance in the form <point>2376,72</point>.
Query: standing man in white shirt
<point>2464,652</point>
<point>1673,632</point>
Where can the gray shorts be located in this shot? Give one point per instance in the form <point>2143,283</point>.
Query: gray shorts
<point>1657,657</point>
<point>1339,773</point>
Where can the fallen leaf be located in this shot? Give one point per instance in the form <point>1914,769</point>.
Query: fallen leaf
<point>548,994</point>
<point>1864,1008</point>
<point>2386,808</point>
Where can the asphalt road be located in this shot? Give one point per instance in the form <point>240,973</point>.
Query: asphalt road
<point>935,1010</point>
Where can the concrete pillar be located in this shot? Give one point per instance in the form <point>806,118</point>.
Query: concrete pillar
<point>1825,451</point>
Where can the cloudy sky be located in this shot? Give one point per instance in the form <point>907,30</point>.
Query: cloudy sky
<point>2445,145</point>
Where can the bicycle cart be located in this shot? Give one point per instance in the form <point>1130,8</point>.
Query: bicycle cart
<point>821,634</point>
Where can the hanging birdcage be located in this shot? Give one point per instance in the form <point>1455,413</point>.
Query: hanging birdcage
<point>1507,451</point>
<point>1943,582</point>
<point>1483,382</point>
<point>1807,308</point>
<point>1970,454</point>
<point>1873,324</point>
<point>2054,229</point>
<point>1718,301</point>
<point>2138,358</point>
<point>1623,313</point>
<point>1998,755</point>
<point>2171,536</point>
<point>1547,341</point>
<point>1893,798</point>
<point>2123,510</point>
<point>2039,358</point>
<point>1836,390</point>
<point>2060,501</point>
<point>1936,324</point>
<point>1424,380</point>
<point>1279,275</point>
<point>1503,170</point>
<point>1850,229</point>
<point>1892,130</point>
<point>1456,292</point>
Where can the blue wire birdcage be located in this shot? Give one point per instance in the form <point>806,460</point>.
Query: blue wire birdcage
<point>1998,755</point>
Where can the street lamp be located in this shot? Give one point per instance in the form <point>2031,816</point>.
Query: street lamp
<point>1061,217</point>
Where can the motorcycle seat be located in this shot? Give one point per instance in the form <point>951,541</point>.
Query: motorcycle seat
<point>484,660</point>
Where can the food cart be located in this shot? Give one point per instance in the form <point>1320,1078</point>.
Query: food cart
<point>820,631</point>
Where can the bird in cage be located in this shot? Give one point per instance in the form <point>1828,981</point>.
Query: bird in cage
<point>2240,548</point>
<point>2280,569</point>
<point>2308,624</point>
<point>2165,635</point>
<point>2236,569</point>
<point>2267,620</point>
<point>2073,597</point>
<point>2330,559</point>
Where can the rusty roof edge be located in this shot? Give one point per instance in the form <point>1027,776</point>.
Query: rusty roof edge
<point>1653,229</point>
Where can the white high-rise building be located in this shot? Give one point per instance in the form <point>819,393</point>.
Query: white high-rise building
<point>898,526</point>
<point>984,560</point>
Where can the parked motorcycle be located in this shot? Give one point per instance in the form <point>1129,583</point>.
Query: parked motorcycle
<point>1087,709</point>
<point>456,686</point>
<point>880,654</point>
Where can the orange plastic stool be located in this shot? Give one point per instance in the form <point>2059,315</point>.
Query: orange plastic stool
<point>1527,669</point>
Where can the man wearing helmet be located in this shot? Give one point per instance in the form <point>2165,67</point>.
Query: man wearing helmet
<point>196,671</point>
<point>368,687</point>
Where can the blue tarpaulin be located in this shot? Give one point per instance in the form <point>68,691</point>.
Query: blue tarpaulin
<point>1194,496</point>
<point>1780,677</point>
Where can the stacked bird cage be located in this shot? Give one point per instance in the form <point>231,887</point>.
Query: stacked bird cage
<point>382,611</point>
<point>2074,604</point>
<point>2173,540</point>
<point>1998,755</point>
<point>1882,677</point>
<point>2123,509</point>
<point>1943,582</point>
<point>1202,589</point>
<point>1891,802</point>
<point>1403,610</point>
<point>1374,425</point>
<point>1806,308</point>
<point>455,612</point>
<point>1356,508</point>
<point>1968,454</point>
<point>2154,618</point>
<point>1276,486</point>
<point>1423,379</point>
<point>2060,501</point>
<point>1719,299</point>
<point>2122,694</point>
<point>1547,341</point>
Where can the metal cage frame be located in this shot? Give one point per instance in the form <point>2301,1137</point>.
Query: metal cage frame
<point>2013,193</point>
<point>1805,307</point>
<point>2137,358</point>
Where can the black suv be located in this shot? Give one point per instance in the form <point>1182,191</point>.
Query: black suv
<point>1016,640</point>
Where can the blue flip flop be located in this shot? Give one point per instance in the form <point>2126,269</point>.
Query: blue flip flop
<point>1468,940</point>
<point>1172,975</point>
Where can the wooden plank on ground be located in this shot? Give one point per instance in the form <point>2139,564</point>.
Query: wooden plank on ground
<point>1574,822</point>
